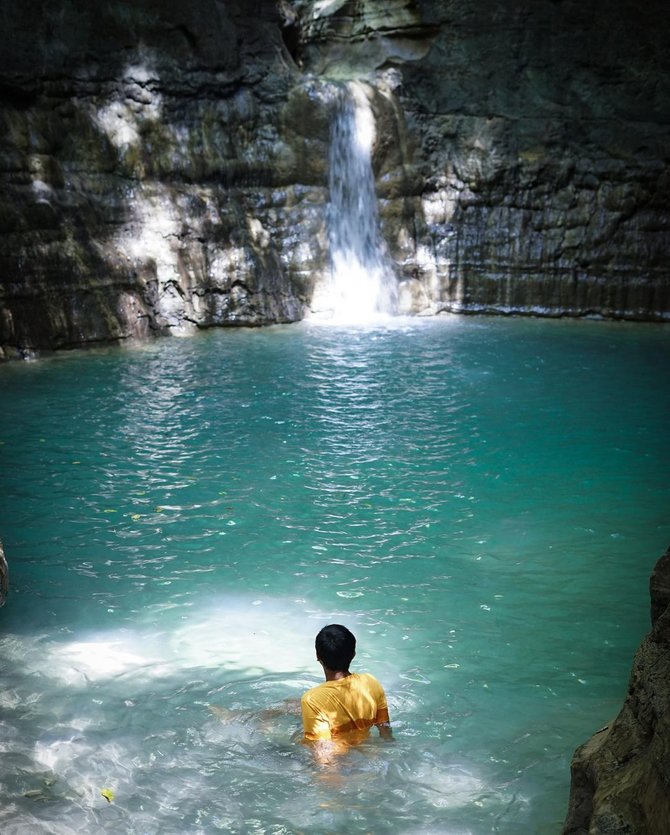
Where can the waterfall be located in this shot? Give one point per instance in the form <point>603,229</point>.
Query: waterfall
<point>361,285</point>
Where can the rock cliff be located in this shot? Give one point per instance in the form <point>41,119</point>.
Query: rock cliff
<point>528,169</point>
<point>164,165</point>
<point>4,577</point>
<point>146,187</point>
<point>621,776</point>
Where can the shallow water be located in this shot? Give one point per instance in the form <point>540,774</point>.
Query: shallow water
<point>480,500</point>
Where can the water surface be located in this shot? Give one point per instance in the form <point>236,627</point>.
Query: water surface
<point>480,500</point>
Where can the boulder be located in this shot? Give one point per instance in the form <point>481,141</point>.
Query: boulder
<point>621,776</point>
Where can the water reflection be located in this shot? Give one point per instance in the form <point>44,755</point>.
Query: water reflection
<point>184,519</point>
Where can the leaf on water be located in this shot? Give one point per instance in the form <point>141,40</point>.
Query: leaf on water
<point>108,794</point>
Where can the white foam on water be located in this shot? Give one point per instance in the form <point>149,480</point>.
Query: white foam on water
<point>246,634</point>
<point>165,754</point>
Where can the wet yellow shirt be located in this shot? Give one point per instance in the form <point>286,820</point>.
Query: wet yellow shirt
<point>344,709</point>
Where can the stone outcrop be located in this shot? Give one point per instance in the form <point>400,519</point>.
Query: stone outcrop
<point>163,165</point>
<point>621,776</point>
<point>4,577</point>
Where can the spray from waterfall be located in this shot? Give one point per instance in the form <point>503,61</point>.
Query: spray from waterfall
<point>362,285</point>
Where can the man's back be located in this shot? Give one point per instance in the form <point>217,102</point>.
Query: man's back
<point>344,708</point>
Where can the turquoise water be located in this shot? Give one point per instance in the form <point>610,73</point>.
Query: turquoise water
<point>480,500</point>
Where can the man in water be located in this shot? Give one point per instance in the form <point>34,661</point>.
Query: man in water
<point>341,711</point>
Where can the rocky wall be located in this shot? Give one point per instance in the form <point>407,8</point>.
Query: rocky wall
<point>4,577</point>
<point>154,173</point>
<point>621,776</point>
<point>533,175</point>
<point>163,166</point>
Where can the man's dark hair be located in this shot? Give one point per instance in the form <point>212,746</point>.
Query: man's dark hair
<point>335,647</point>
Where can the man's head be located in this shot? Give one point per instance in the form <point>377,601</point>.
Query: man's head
<point>335,647</point>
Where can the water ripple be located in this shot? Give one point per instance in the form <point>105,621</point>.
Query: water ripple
<point>182,520</point>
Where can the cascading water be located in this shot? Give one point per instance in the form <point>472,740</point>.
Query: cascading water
<point>361,285</point>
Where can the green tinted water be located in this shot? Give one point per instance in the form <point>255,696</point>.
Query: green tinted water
<point>481,501</point>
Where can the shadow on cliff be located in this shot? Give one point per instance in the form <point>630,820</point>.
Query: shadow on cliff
<point>138,159</point>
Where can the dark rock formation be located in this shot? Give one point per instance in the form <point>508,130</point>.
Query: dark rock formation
<point>151,181</point>
<point>163,164</point>
<point>533,171</point>
<point>621,776</point>
<point>4,577</point>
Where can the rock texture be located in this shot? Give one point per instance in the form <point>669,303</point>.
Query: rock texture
<point>621,776</point>
<point>151,171</point>
<point>531,170</point>
<point>163,165</point>
<point>4,577</point>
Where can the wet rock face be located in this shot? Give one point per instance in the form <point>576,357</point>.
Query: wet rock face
<point>536,165</point>
<point>4,577</point>
<point>163,166</point>
<point>621,776</point>
<point>159,166</point>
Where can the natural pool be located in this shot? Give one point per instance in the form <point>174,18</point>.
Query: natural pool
<point>480,500</point>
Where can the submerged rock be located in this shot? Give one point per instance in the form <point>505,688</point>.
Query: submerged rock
<point>621,776</point>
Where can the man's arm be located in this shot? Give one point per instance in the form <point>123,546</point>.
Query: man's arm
<point>382,720</point>
<point>289,707</point>
<point>385,731</point>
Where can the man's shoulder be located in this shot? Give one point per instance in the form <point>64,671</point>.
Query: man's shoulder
<point>313,691</point>
<point>368,678</point>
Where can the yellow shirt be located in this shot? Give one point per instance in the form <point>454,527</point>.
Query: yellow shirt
<point>344,709</point>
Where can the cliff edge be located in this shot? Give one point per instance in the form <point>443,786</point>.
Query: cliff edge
<point>621,776</point>
<point>4,577</point>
